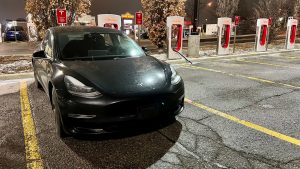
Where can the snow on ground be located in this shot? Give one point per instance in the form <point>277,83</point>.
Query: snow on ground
<point>244,49</point>
<point>16,67</point>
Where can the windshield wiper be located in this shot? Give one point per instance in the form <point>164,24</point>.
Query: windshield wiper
<point>96,57</point>
<point>78,58</point>
<point>122,57</point>
<point>105,57</point>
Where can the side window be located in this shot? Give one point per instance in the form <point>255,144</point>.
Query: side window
<point>48,47</point>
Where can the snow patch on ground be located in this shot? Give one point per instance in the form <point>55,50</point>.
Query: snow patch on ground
<point>241,49</point>
<point>16,67</point>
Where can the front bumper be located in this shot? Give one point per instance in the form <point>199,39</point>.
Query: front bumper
<point>81,115</point>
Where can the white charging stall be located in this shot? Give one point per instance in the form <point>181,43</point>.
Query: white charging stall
<point>224,33</point>
<point>262,32</point>
<point>291,33</point>
<point>190,29</point>
<point>110,21</point>
<point>136,31</point>
<point>175,23</point>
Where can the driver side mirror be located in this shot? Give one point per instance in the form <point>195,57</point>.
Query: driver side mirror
<point>39,54</point>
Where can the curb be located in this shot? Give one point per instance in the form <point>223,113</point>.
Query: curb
<point>181,61</point>
<point>16,55</point>
<point>16,76</point>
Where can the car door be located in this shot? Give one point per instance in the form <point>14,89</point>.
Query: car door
<point>46,63</point>
<point>36,62</point>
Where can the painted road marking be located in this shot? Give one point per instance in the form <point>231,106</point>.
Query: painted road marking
<point>246,123</point>
<point>267,64</point>
<point>33,157</point>
<point>293,57</point>
<point>240,76</point>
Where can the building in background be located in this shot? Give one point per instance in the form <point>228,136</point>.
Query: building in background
<point>128,22</point>
<point>86,20</point>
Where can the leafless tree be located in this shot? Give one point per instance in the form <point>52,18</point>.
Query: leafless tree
<point>156,13</point>
<point>227,8</point>
<point>278,10</point>
<point>296,8</point>
<point>189,6</point>
<point>43,11</point>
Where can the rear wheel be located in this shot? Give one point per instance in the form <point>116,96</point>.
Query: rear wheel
<point>58,120</point>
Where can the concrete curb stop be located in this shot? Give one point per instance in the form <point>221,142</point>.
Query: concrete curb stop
<point>16,76</point>
<point>18,55</point>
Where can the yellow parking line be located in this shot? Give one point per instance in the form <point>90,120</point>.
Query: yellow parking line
<point>293,57</point>
<point>33,157</point>
<point>240,76</point>
<point>246,123</point>
<point>267,64</point>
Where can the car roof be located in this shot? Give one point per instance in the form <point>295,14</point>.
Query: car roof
<point>64,29</point>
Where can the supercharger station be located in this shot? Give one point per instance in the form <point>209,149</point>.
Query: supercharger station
<point>291,34</point>
<point>224,33</point>
<point>262,32</point>
<point>178,23</point>
<point>110,21</point>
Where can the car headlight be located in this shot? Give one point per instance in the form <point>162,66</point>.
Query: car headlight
<point>77,88</point>
<point>175,78</point>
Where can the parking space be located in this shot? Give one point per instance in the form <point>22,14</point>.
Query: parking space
<point>17,48</point>
<point>259,97</point>
<point>241,112</point>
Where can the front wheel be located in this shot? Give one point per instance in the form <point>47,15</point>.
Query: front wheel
<point>58,121</point>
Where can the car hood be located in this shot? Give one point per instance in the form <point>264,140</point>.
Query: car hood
<point>122,77</point>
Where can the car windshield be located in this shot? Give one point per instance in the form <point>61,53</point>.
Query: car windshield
<point>16,28</point>
<point>91,45</point>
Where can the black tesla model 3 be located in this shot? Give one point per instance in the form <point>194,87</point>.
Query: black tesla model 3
<point>97,77</point>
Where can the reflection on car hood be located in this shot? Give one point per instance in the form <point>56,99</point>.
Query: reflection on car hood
<point>122,77</point>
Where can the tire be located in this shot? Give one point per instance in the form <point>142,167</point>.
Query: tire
<point>37,83</point>
<point>58,120</point>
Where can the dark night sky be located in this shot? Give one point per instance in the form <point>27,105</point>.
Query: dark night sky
<point>12,9</point>
<point>115,6</point>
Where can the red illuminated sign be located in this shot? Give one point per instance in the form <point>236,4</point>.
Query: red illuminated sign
<point>270,21</point>
<point>237,20</point>
<point>61,16</point>
<point>139,18</point>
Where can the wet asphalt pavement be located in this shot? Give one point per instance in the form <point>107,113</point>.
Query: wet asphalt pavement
<point>241,112</point>
<point>17,48</point>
